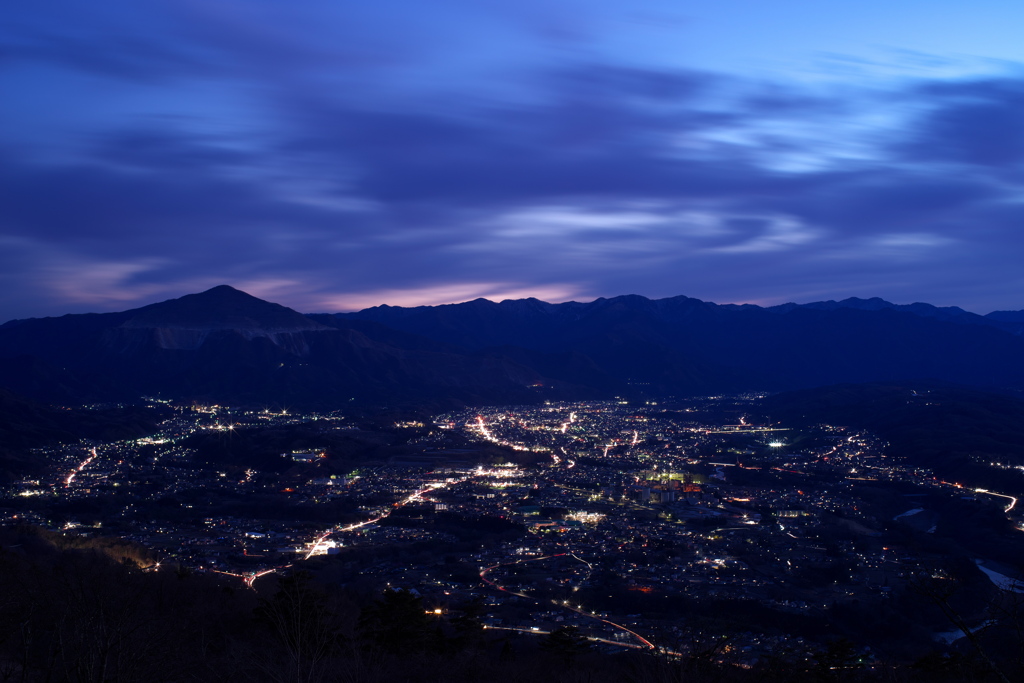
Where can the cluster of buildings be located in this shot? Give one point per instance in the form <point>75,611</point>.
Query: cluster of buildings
<point>590,508</point>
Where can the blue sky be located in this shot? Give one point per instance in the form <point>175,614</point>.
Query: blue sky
<point>333,155</point>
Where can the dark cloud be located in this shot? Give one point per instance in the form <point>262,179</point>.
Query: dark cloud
<point>883,199</point>
<point>589,135</point>
<point>977,122</point>
<point>332,171</point>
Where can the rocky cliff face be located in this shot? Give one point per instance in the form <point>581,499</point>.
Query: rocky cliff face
<point>186,323</point>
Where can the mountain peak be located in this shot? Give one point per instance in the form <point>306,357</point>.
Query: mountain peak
<point>224,290</point>
<point>221,308</point>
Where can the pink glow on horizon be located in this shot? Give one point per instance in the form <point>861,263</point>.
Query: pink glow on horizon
<point>445,294</point>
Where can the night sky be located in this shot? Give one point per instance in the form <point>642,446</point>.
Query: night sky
<point>335,155</point>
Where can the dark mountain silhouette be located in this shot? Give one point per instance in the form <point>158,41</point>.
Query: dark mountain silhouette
<point>186,322</point>
<point>1010,321</point>
<point>686,345</point>
<point>1007,316</point>
<point>228,346</point>
<point>948,313</point>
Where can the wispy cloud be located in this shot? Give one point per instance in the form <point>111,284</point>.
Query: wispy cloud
<point>328,158</point>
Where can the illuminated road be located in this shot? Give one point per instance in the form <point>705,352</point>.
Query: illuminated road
<point>250,577</point>
<point>81,466</point>
<point>541,632</point>
<point>1012,504</point>
<point>1013,501</point>
<point>484,432</point>
<point>319,547</point>
<point>644,643</point>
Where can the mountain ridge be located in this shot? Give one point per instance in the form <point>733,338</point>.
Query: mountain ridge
<point>681,343</point>
<point>226,345</point>
<point>221,307</point>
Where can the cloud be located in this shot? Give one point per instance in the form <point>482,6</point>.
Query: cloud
<point>544,221</point>
<point>357,158</point>
<point>99,283</point>
<point>974,122</point>
<point>773,234</point>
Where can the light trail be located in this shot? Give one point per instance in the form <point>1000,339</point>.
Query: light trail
<point>81,466</point>
<point>486,570</point>
<point>541,632</point>
<point>596,639</point>
<point>1013,501</point>
<point>644,642</point>
<point>411,498</point>
<point>486,434</point>
<point>565,605</point>
<point>220,571</point>
<point>318,546</point>
<point>251,579</point>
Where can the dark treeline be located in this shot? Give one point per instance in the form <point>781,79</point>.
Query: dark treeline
<point>71,612</point>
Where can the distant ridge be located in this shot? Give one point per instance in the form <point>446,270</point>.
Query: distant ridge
<point>1011,321</point>
<point>948,313</point>
<point>685,345</point>
<point>1007,316</point>
<point>226,345</point>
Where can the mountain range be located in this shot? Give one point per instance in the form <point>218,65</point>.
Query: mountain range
<point>225,345</point>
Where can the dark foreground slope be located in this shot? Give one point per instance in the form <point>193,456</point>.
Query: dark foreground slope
<point>76,609</point>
